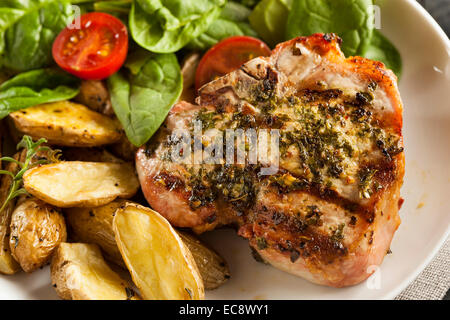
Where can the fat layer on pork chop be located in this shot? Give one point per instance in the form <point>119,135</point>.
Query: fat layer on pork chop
<point>328,214</point>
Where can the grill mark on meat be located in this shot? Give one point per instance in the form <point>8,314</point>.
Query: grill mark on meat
<point>169,181</point>
<point>308,241</point>
<point>364,211</point>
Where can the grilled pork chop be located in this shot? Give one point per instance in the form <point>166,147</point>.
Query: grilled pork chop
<point>330,211</point>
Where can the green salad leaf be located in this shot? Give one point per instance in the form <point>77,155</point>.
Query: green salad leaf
<point>233,21</point>
<point>269,20</point>
<point>249,3</point>
<point>35,87</point>
<point>352,20</point>
<point>143,92</point>
<point>381,49</point>
<point>27,31</point>
<point>165,26</point>
<point>114,6</point>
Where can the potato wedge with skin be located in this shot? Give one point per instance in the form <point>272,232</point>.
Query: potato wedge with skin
<point>94,94</point>
<point>78,272</point>
<point>160,264</point>
<point>8,264</point>
<point>213,268</point>
<point>37,229</point>
<point>124,149</point>
<point>94,225</point>
<point>66,123</point>
<point>81,184</point>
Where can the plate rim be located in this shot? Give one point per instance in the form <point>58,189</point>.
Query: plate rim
<point>421,267</point>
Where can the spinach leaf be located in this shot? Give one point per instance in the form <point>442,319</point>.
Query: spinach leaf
<point>233,21</point>
<point>269,20</point>
<point>249,3</point>
<point>381,49</point>
<point>115,6</point>
<point>165,26</point>
<point>143,92</point>
<point>352,20</point>
<point>36,87</point>
<point>28,29</point>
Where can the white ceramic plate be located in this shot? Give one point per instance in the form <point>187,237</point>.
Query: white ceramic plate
<point>425,89</point>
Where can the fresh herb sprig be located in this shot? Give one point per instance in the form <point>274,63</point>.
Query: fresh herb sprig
<point>33,148</point>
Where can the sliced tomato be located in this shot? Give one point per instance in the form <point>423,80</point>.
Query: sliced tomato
<point>228,55</point>
<point>94,51</point>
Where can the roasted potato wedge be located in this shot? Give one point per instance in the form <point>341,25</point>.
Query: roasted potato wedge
<point>66,123</point>
<point>213,268</point>
<point>7,263</point>
<point>78,272</point>
<point>8,143</point>
<point>89,155</point>
<point>95,95</point>
<point>14,134</point>
<point>94,225</point>
<point>124,149</point>
<point>37,229</point>
<point>160,264</point>
<point>81,184</point>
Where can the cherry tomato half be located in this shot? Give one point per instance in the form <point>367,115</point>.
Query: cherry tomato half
<point>94,51</point>
<point>228,55</point>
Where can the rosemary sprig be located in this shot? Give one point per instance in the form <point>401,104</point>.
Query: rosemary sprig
<point>32,148</point>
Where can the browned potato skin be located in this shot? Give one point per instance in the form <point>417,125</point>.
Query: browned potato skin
<point>94,225</point>
<point>155,255</point>
<point>14,134</point>
<point>89,155</point>
<point>123,149</point>
<point>213,268</point>
<point>7,263</point>
<point>68,125</point>
<point>95,95</point>
<point>37,229</point>
<point>73,279</point>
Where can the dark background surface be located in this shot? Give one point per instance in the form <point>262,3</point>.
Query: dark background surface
<point>440,10</point>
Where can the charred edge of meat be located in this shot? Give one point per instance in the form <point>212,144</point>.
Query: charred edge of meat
<point>212,98</point>
<point>261,91</point>
<point>249,73</point>
<point>330,37</point>
<point>308,95</point>
<point>295,237</point>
